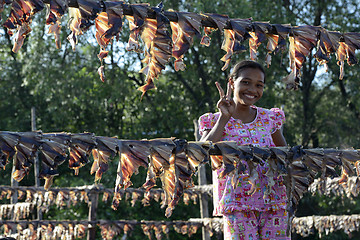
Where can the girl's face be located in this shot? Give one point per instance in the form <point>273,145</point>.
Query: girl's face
<point>249,86</point>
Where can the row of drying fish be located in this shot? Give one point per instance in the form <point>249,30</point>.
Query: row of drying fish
<point>174,161</point>
<point>16,211</point>
<point>160,45</point>
<point>69,230</point>
<point>45,230</point>
<point>67,198</point>
<point>331,186</point>
<point>306,226</point>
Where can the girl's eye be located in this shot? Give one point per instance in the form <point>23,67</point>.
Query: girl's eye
<point>245,82</point>
<point>260,86</point>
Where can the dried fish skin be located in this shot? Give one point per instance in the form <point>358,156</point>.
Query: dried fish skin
<point>89,9</point>
<point>158,48</point>
<point>302,40</point>
<point>233,39</point>
<point>8,141</point>
<point>133,154</point>
<point>20,36</point>
<point>217,19</point>
<point>183,170</point>
<point>135,24</point>
<point>20,19</point>
<point>230,155</point>
<point>115,14</point>
<point>258,35</point>
<point>160,156</point>
<point>77,24</point>
<point>325,46</point>
<point>198,153</point>
<point>57,9</point>
<point>183,32</point>
<point>80,149</point>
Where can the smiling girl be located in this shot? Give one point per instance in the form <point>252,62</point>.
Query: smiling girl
<point>255,216</point>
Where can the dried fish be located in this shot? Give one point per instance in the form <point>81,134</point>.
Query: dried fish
<point>258,35</point>
<point>80,148</point>
<point>218,20</point>
<point>302,40</point>
<point>106,148</point>
<point>233,38</point>
<point>20,19</point>
<point>136,23</point>
<point>57,9</point>
<point>183,31</point>
<point>158,47</point>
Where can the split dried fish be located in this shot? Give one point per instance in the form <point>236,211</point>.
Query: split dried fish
<point>57,9</point>
<point>183,32</point>
<point>233,39</point>
<point>302,40</point>
<point>158,47</point>
<point>218,20</point>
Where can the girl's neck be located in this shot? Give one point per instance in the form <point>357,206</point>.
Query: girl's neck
<point>245,113</point>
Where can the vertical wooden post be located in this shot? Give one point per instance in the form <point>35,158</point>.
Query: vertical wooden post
<point>204,208</point>
<point>94,197</point>
<point>14,183</point>
<point>36,161</point>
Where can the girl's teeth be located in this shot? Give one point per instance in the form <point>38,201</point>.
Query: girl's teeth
<point>249,96</point>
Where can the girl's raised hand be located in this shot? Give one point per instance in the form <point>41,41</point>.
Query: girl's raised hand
<point>226,104</point>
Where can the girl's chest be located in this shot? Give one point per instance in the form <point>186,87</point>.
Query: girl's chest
<point>257,133</point>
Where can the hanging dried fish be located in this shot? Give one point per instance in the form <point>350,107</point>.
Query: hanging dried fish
<point>20,19</point>
<point>57,9</point>
<point>133,154</point>
<point>162,165</point>
<point>349,159</point>
<point>302,40</point>
<point>325,46</point>
<point>276,36</point>
<point>80,148</point>
<point>183,32</point>
<point>146,230</point>
<point>158,47</point>
<point>230,158</point>
<point>53,152</point>
<point>218,20</point>
<point>80,19</point>
<point>187,157</point>
<point>346,44</point>
<point>8,141</point>
<point>233,39</point>
<point>106,148</point>
<point>258,35</point>
<point>136,23</point>
<point>26,148</point>
<point>108,25</point>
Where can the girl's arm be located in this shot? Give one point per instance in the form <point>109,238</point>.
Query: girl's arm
<point>216,133</point>
<point>278,138</point>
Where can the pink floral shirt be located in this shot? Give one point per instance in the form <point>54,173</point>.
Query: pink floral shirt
<point>256,133</point>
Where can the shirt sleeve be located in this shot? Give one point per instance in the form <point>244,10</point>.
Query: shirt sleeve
<point>277,117</point>
<point>206,122</point>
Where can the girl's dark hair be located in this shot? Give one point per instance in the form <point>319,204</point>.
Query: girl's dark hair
<point>240,66</point>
